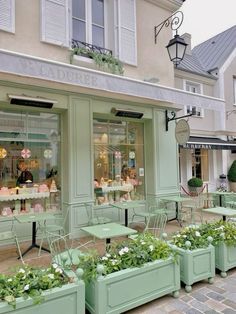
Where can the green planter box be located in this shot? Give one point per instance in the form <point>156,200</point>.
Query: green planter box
<point>225,257</point>
<point>69,299</point>
<point>196,265</point>
<point>129,288</point>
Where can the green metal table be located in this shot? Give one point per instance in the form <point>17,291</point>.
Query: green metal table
<point>108,231</point>
<point>221,194</point>
<point>33,218</point>
<point>224,211</point>
<point>126,206</point>
<point>177,199</point>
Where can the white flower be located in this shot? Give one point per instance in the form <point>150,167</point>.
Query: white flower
<point>126,249</point>
<point>54,265</point>
<point>108,255</point>
<point>51,276</point>
<point>121,252</point>
<point>21,271</point>
<point>143,242</point>
<point>104,258</point>
<point>58,270</point>
<point>184,236</point>
<point>9,280</point>
<point>178,236</point>
<point>151,247</point>
<point>197,234</point>
<point>222,235</point>
<point>26,287</point>
<point>114,262</point>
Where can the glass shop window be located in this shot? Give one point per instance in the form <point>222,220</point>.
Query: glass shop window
<point>118,161</point>
<point>200,164</point>
<point>29,161</point>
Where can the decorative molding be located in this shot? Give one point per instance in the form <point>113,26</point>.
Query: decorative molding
<point>170,5</point>
<point>42,69</point>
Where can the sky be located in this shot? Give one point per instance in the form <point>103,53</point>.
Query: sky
<point>204,19</point>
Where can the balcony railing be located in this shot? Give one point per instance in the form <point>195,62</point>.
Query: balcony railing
<point>90,47</point>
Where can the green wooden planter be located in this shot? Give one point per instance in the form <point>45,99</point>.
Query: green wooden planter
<point>69,299</point>
<point>129,288</point>
<point>196,265</point>
<point>225,258</point>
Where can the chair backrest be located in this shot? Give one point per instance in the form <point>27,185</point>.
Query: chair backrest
<point>96,216</point>
<point>156,224</point>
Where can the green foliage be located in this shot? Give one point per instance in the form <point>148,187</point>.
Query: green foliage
<point>195,182</point>
<point>220,231</point>
<point>30,282</point>
<point>128,254</point>
<point>101,59</point>
<point>232,172</point>
<point>190,238</point>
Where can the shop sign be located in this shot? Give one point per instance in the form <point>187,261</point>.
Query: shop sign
<point>182,132</point>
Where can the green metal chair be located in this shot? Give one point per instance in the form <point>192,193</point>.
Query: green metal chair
<point>156,224</point>
<point>96,215</point>
<point>148,211</point>
<point>66,250</point>
<point>10,235</point>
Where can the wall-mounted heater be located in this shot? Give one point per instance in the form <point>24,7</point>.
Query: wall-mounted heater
<point>23,100</point>
<point>126,113</point>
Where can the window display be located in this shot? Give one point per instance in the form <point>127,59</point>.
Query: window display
<point>118,161</point>
<point>29,167</point>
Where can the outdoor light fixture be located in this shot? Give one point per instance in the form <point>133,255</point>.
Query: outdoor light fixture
<point>173,116</point>
<point>176,47</point>
<point>127,113</point>
<point>23,100</point>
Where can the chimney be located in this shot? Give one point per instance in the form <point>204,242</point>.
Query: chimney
<point>187,38</point>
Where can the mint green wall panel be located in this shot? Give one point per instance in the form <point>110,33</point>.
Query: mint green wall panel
<point>80,150</point>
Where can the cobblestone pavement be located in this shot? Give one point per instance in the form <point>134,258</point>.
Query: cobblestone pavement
<point>219,297</point>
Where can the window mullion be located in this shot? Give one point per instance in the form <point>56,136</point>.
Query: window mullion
<point>89,21</point>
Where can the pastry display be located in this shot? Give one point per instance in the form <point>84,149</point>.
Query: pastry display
<point>53,187</point>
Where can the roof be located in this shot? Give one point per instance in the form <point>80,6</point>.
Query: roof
<point>211,54</point>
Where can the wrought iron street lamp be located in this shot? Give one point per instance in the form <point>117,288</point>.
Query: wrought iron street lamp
<point>176,47</point>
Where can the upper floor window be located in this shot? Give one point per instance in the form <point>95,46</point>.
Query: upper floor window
<point>193,88</point>
<point>88,21</point>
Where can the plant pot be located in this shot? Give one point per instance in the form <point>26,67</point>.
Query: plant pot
<point>132,287</point>
<point>69,298</point>
<point>232,186</point>
<point>195,191</point>
<point>196,265</point>
<point>225,257</point>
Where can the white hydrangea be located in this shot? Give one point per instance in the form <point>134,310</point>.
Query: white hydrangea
<point>26,287</point>
<point>54,265</point>
<point>197,234</point>
<point>58,270</point>
<point>104,258</point>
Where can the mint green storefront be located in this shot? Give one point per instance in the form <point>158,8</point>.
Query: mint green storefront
<point>80,96</point>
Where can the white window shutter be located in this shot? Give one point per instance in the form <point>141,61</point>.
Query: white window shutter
<point>7,15</point>
<point>126,31</point>
<point>55,26</point>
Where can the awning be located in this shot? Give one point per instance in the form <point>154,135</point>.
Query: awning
<point>209,143</point>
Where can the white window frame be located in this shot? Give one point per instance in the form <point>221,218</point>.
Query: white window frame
<point>188,108</point>
<point>88,22</point>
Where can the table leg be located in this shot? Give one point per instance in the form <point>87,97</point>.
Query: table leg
<point>220,200</point>
<point>108,241</point>
<point>126,217</point>
<point>224,218</point>
<point>33,242</point>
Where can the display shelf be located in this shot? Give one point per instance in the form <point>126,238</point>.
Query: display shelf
<point>25,196</point>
